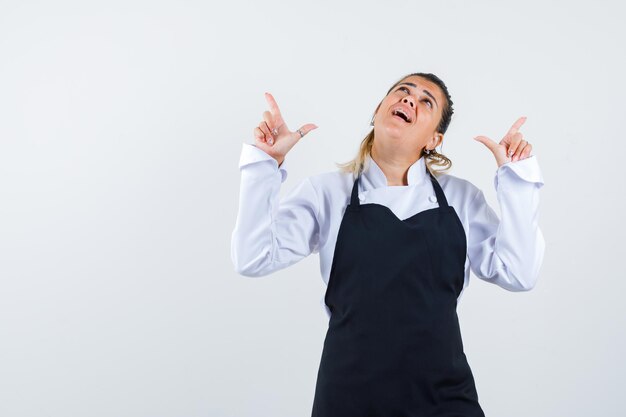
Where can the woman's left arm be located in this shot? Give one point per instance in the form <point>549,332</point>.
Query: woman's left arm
<point>508,252</point>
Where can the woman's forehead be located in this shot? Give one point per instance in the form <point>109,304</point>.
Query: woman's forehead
<point>416,79</point>
<point>420,84</point>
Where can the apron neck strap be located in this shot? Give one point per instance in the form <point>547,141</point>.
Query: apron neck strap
<point>441,197</point>
<point>354,198</point>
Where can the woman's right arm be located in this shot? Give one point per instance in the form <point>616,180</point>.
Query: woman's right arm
<point>270,234</point>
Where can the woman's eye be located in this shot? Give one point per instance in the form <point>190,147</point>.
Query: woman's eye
<point>409,92</point>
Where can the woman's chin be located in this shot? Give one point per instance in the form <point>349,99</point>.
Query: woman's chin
<point>394,131</point>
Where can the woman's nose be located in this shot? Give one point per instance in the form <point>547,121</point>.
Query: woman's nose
<point>409,101</point>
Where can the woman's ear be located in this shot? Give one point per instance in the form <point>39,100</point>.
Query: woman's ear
<point>437,140</point>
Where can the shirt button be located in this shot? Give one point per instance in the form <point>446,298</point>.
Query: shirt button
<point>432,199</point>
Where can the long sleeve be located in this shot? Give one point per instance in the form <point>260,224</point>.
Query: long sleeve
<point>270,234</point>
<point>508,252</point>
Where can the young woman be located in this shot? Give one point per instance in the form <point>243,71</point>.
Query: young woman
<point>397,239</point>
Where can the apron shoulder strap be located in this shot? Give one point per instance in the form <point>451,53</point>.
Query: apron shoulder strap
<point>354,197</point>
<point>441,197</point>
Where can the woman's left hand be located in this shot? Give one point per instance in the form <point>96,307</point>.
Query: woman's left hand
<point>512,147</point>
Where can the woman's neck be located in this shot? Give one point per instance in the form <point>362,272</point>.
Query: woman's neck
<point>395,167</point>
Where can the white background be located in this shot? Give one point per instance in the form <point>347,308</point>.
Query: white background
<point>121,126</point>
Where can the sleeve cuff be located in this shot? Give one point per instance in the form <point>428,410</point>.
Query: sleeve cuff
<point>525,169</point>
<point>251,154</point>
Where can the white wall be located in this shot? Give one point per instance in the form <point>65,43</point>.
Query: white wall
<point>121,125</point>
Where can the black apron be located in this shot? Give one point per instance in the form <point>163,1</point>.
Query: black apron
<point>393,346</point>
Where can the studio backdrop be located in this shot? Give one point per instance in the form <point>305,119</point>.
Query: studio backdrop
<point>121,131</point>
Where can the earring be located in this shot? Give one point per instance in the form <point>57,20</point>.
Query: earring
<point>372,122</point>
<point>427,151</point>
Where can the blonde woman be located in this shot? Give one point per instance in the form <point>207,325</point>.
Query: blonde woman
<point>397,238</point>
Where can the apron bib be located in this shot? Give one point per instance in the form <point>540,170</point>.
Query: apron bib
<point>393,346</point>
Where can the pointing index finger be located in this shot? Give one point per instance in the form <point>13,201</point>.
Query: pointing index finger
<point>273,106</point>
<point>513,130</point>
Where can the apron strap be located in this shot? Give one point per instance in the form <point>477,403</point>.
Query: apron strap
<point>355,205</point>
<point>441,197</point>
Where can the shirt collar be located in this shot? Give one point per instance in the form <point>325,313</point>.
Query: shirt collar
<point>374,177</point>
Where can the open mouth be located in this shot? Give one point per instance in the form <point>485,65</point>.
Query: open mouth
<point>401,114</point>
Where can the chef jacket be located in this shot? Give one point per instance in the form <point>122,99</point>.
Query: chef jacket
<point>272,233</point>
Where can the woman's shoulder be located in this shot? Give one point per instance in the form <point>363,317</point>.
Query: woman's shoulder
<point>332,189</point>
<point>331,180</point>
<point>459,190</point>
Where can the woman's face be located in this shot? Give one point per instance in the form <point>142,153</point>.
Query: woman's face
<point>422,102</point>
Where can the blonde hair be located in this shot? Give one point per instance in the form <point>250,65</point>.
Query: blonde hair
<point>436,162</point>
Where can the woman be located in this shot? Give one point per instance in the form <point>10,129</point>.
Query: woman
<point>397,240</point>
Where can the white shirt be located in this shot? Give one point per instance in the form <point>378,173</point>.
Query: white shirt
<point>270,234</point>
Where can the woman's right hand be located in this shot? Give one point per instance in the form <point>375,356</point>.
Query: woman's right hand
<point>273,136</point>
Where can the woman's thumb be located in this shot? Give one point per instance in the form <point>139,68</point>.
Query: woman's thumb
<point>487,142</point>
<point>306,129</point>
